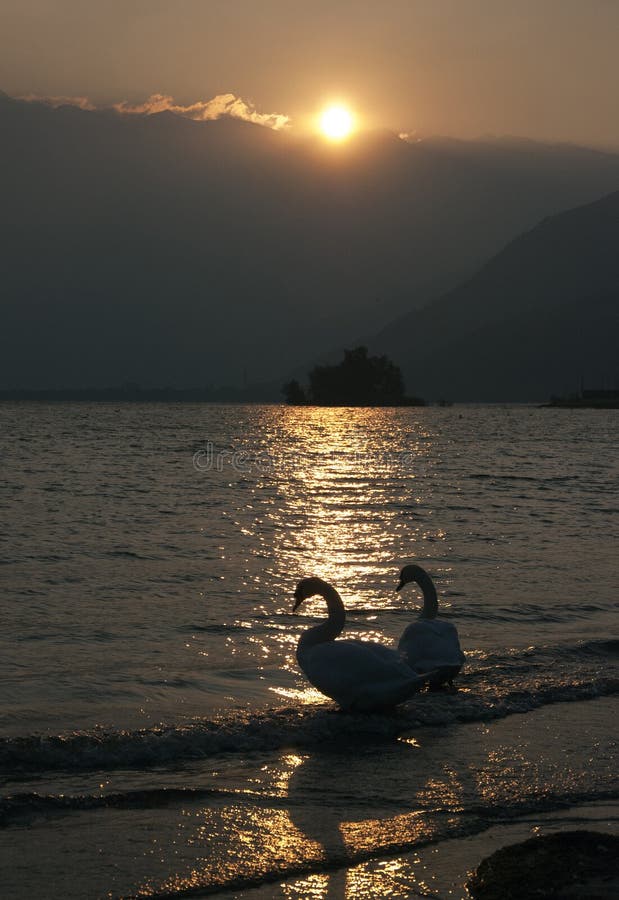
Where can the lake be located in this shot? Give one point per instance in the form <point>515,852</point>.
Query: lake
<point>158,737</point>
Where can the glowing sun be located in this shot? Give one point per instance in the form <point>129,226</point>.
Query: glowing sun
<point>336,123</point>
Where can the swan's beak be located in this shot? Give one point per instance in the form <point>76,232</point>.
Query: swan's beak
<point>297,602</point>
<point>400,585</point>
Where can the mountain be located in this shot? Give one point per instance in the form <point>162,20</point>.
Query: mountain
<point>539,317</point>
<point>164,251</point>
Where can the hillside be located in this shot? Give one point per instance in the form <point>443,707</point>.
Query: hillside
<point>539,316</point>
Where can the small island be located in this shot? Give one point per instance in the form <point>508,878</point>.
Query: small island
<point>359,380</point>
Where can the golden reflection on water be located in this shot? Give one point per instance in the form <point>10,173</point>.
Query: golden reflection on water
<point>239,842</point>
<point>308,696</point>
<point>398,829</point>
<point>386,878</point>
<point>411,741</point>
<point>336,518</point>
<point>394,878</point>
<point>289,762</point>
<point>446,791</point>
<point>314,887</point>
<point>247,840</point>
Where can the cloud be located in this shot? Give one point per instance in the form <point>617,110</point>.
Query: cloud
<point>203,110</point>
<point>80,102</point>
<point>200,111</point>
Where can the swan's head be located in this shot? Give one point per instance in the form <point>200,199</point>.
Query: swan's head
<point>410,573</point>
<point>306,588</point>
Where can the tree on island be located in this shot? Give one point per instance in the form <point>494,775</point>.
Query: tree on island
<point>294,393</point>
<point>359,380</point>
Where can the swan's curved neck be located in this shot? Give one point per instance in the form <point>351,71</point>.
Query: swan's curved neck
<point>430,600</point>
<point>330,629</point>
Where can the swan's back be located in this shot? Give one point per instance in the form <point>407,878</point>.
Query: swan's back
<point>429,644</point>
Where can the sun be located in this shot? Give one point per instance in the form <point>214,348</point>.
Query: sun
<point>336,123</point>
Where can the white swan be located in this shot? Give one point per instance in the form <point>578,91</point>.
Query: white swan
<point>359,675</point>
<point>430,643</point>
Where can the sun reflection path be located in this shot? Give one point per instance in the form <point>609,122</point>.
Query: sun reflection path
<point>292,822</point>
<point>341,511</point>
<point>242,841</point>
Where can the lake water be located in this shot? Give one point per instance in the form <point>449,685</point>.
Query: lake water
<point>158,737</point>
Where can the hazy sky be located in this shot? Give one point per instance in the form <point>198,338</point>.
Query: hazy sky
<point>537,68</point>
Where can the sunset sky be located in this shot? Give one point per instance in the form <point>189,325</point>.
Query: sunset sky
<point>546,70</point>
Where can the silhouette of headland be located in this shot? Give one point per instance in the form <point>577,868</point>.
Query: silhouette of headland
<point>591,398</point>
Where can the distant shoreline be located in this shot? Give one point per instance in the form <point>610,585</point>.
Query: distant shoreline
<point>121,395</point>
<point>597,398</point>
<point>181,397</point>
<point>571,404</point>
<point>224,397</point>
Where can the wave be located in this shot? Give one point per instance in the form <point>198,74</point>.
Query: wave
<point>18,808</point>
<point>293,727</point>
<point>605,651</point>
<point>609,647</point>
<point>539,479</point>
<point>130,554</point>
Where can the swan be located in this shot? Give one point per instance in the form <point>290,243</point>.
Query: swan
<point>361,676</point>
<point>430,643</point>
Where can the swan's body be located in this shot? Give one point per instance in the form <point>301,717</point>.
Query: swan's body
<point>361,676</point>
<point>430,643</point>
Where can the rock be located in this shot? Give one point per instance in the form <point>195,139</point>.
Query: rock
<point>572,865</point>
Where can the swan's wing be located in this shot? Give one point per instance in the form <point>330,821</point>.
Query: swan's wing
<point>430,644</point>
<point>358,674</point>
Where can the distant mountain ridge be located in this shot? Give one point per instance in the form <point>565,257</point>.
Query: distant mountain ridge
<point>164,251</point>
<point>539,317</point>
